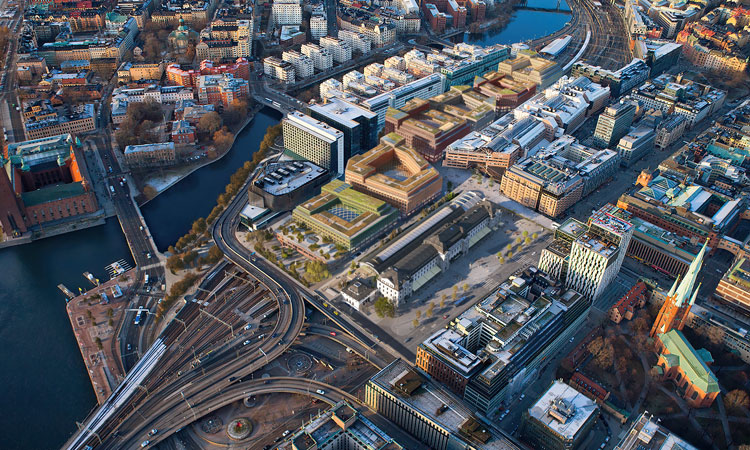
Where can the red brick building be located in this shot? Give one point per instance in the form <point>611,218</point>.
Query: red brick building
<point>634,299</point>
<point>189,77</point>
<point>183,133</point>
<point>687,368</point>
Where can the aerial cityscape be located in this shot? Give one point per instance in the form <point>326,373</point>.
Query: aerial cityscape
<point>375,225</point>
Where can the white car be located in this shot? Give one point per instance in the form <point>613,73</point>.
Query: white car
<point>286,433</point>
<point>321,392</point>
<point>145,443</point>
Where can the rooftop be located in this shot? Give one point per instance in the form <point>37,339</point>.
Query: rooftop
<point>691,361</point>
<point>436,404</point>
<point>563,409</point>
<point>286,177</point>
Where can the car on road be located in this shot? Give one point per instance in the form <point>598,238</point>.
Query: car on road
<point>128,347</point>
<point>232,379</point>
<point>153,432</point>
<point>332,333</point>
<point>321,392</point>
<point>145,443</point>
<point>445,316</point>
<point>286,433</point>
<point>248,326</point>
<point>246,342</point>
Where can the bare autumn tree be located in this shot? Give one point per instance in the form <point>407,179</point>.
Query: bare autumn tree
<point>736,400</point>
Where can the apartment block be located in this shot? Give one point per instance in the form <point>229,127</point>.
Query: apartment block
<point>221,89</point>
<point>303,65</point>
<point>150,155</point>
<point>340,49</point>
<point>280,70</point>
<point>321,57</point>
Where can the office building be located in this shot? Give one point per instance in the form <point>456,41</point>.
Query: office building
<point>621,81</point>
<point>303,65</point>
<point>152,92</point>
<point>555,258</point>
<point>428,247</point>
<point>349,218</point>
<point>150,155</point>
<point>596,256</point>
<point>359,125</point>
<point>614,123</point>
<point>314,141</point>
<point>43,181</point>
<point>669,131</point>
<point>424,88</point>
<point>528,67</point>
<point>660,249</point>
<point>498,146</point>
<point>558,176</point>
<point>560,420</point>
<point>427,130</point>
<point>41,120</point>
<point>130,71</point>
<point>507,92</point>
<point>428,413</point>
<point>646,433</point>
<point>222,89</point>
<point>638,142</point>
<point>277,69</point>
<point>395,173</point>
<point>670,93</point>
<point>734,286</point>
<point>495,348</point>
<point>282,186</point>
<point>340,427</point>
<point>731,324</point>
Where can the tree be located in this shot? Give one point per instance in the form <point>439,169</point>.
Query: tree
<point>415,322</point>
<point>455,289</point>
<point>111,323</point>
<point>99,344</point>
<point>640,325</point>
<point>199,226</point>
<point>110,312</point>
<point>466,287</point>
<point>535,235</point>
<point>223,139</point>
<point>501,260</point>
<point>174,263</point>
<point>384,307</point>
<point>527,241</point>
<point>518,240</point>
<point>442,301</point>
<point>353,265</point>
<point>210,123</point>
<point>736,400</point>
<point>214,255</point>
<point>429,313</point>
<point>509,255</point>
<point>418,314</point>
<point>525,233</point>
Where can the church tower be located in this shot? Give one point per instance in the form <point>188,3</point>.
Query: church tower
<point>681,297</point>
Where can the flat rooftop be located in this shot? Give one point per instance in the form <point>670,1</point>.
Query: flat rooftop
<point>342,111</point>
<point>286,177</point>
<point>563,409</point>
<point>428,399</point>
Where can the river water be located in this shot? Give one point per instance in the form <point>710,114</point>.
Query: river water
<point>44,387</point>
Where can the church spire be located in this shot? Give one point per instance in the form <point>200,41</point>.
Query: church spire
<point>685,289</point>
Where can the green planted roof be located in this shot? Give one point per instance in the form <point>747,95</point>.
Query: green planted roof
<point>690,361</point>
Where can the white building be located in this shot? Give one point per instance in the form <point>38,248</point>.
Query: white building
<point>303,65</point>
<point>357,293</point>
<point>277,69</point>
<point>597,255</point>
<point>314,141</point>
<point>424,88</point>
<point>357,41</point>
<point>341,50</point>
<point>286,12</point>
<point>318,25</point>
<point>321,57</point>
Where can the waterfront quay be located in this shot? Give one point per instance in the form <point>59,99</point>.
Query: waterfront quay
<point>96,316</point>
